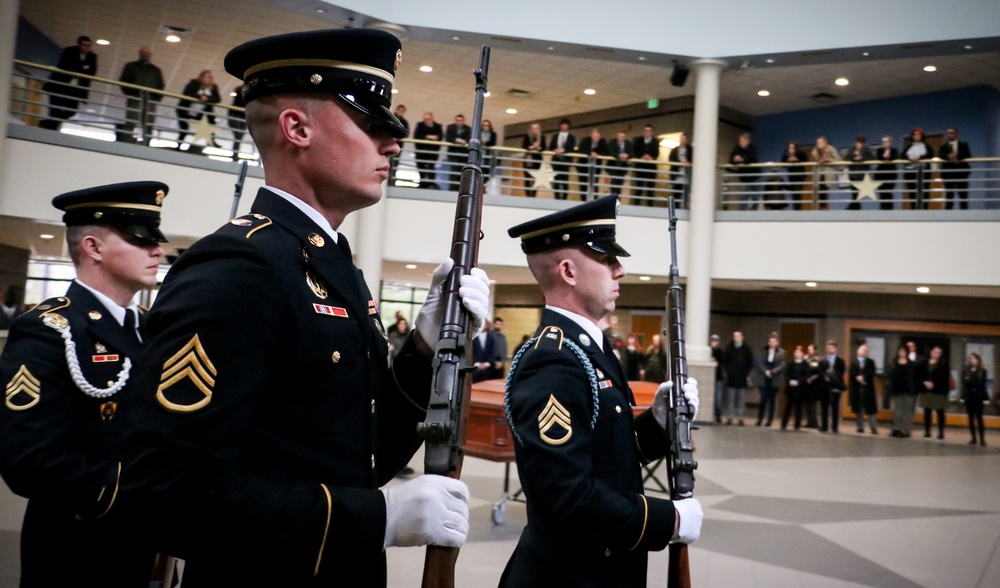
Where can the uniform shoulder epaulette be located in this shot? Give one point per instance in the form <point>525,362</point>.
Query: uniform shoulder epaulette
<point>549,338</point>
<point>50,306</point>
<point>252,222</point>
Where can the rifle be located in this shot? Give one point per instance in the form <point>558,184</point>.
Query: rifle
<point>680,462</point>
<point>444,429</point>
<point>239,188</point>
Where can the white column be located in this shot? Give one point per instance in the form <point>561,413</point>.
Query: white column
<point>698,293</point>
<point>369,242</point>
<point>8,40</point>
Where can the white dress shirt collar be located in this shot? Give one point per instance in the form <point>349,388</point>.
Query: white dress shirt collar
<point>118,312</point>
<point>585,323</point>
<point>309,211</point>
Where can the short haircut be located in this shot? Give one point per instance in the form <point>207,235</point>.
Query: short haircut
<point>832,342</point>
<point>564,121</point>
<point>860,139</point>
<point>76,234</point>
<point>496,318</point>
<point>83,38</point>
<point>745,136</point>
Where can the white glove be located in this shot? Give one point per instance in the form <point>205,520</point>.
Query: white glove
<point>473,288</point>
<point>690,514</point>
<point>427,510</point>
<point>661,401</point>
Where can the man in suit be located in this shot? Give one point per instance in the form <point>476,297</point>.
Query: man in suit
<point>862,390</point>
<point>68,370</point>
<point>577,444</point>
<point>859,156</point>
<point>269,416</point>
<point>744,153</point>
<point>501,347</point>
<point>593,146</point>
<point>427,155</point>
<point>10,307</point>
<point>831,384</point>
<point>484,354</point>
<point>683,154</point>
<point>534,144</point>
<point>737,361</point>
<point>955,170</point>
<point>459,134</point>
<point>621,150</point>
<point>560,144</point>
<point>886,172</point>
<point>140,72</point>
<point>66,90</point>
<point>646,148</point>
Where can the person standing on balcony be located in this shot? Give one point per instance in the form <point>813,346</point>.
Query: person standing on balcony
<point>916,173</point>
<point>824,174</point>
<point>859,156</point>
<point>744,153</point>
<point>886,172</point>
<point>683,154</point>
<point>427,155</point>
<point>534,144</point>
<point>621,150</point>
<point>560,144</point>
<point>203,92</point>
<point>646,148</point>
<point>400,114</point>
<point>459,134</point>
<point>140,72</point>
<point>955,170</point>
<point>66,90</point>
<point>795,174</point>
<point>594,146</point>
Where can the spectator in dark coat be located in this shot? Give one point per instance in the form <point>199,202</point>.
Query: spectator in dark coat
<point>862,389</point>
<point>204,93</point>
<point>737,361</point>
<point>886,173</point>
<point>64,95</point>
<point>903,390</point>
<point>744,153</point>
<point>974,394</point>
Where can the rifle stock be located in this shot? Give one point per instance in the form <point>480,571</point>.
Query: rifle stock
<point>444,429</point>
<point>680,461</point>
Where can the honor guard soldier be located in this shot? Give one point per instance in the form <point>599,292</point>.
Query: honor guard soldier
<point>68,373</point>
<point>569,406</point>
<point>269,416</point>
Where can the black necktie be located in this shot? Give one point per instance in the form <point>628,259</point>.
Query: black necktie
<point>130,327</point>
<point>344,246</point>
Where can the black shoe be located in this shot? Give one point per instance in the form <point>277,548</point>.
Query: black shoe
<point>729,421</point>
<point>860,430</point>
<point>757,424</point>
<point>874,431</point>
<point>927,435</point>
<point>973,442</point>
<point>767,424</point>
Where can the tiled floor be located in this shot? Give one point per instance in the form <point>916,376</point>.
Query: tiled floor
<point>781,510</point>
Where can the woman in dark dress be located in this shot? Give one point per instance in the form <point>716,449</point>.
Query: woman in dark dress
<point>917,151</point>
<point>796,373</point>
<point>933,375</point>
<point>903,390</point>
<point>656,361</point>
<point>974,395</point>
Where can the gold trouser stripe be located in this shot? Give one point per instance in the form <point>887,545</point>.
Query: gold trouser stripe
<point>326,529</point>
<point>331,63</point>
<point>600,221</point>
<point>645,519</point>
<point>151,207</point>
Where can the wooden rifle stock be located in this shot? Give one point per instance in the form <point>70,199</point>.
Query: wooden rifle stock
<point>680,461</point>
<point>444,429</point>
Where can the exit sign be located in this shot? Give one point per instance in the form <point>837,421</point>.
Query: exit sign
<point>652,103</point>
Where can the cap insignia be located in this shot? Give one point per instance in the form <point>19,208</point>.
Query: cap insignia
<point>554,415</point>
<point>317,239</point>
<point>98,214</point>
<point>316,79</point>
<point>160,195</point>
<point>565,237</point>
<point>399,60</point>
<point>99,348</point>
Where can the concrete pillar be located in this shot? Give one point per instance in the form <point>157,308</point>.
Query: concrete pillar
<point>698,290</point>
<point>8,41</point>
<point>368,242</point>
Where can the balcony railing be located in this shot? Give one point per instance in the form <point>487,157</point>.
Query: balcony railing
<point>149,117</point>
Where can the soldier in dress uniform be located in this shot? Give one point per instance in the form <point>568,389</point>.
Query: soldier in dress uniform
<point>269,416</point>
<point>68,374</point>
<point>577,445</point>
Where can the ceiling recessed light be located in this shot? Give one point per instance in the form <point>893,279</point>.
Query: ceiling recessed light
<point>811,284</point>
<point>924,290</point>
<point>46,236</point>
<point>173,39</point>
<point>411,266</point>
<point>552,48</point>
<point>590,91</point>
<point>644,278</point>
<point>930,68</point>
<point>511,111</point>
<point>103,42</point>
<point>321,10</point>
<point>865,54</point>
<point>456,38</point>
<point>967,46</point>
<point>763,93</point>
<point>395,90</point>
<point>641,58</point>
<point>842,81</point>
<point>426,68</point>
<point>770,61</point>
<point>232,94</point>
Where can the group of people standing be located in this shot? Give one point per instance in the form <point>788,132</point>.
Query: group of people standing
<point>810,378</point>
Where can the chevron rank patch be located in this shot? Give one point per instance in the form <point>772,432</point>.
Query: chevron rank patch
<point>191,374</point>
<point>23,391</point>
<point>554,425</point>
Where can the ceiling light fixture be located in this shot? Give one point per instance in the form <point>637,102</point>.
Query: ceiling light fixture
<point>590,91</point>
<point>426,68</point>
<point>173,39</point>
<point>232,94</point>
<point>456,38</point>
<point>842,81</point>
<point>641,58</point>
<point>763,93</point>
<point>811,284</point>
<point>103,42</point>
<point>411,266</point>
<point>924,290</point>
<point>46,236</point>
<point>511,111</point>
<point>770,61</point>
<point>552,48</point>
<point>644,278</point>
<point>865,53</point>
<point>967,46</point>
<point>930,68</point>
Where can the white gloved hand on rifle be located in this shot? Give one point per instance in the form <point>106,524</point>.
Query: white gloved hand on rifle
<point>689,517</point>
<point>474,289</point>
<point>427,510</point>
<point>661,402</point>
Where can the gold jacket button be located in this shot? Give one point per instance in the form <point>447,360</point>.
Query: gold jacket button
<point>618,409</point>
<point>607,552</point>
<point>335,357</point>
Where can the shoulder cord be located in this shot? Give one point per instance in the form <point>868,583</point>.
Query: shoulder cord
<point>591,376</point>
<point>74,366</point>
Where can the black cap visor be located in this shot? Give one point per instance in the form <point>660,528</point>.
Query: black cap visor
<point>606,247</point>
<point>383,117</point>
<point>149,234</point>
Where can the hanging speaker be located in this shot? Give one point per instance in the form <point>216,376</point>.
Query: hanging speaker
<point>679,75</point>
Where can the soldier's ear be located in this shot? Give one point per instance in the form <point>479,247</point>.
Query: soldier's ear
<point>293,124</point>
<point>567,271</point>
<point>93,247</point>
